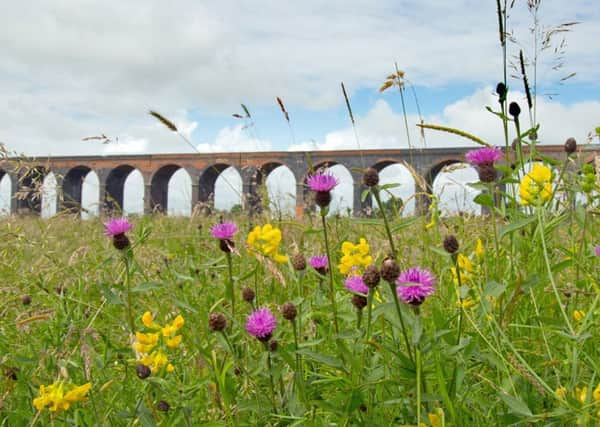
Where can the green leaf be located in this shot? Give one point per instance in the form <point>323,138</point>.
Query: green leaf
<point>388,186</point>
<point>516,405</point>
<point>494,289</point>
<point>365,194</point>
<point>517,225</point>
<point>405,223</point>
<point>484,199</point>
<point>331,361</point>
<point>147,286</point>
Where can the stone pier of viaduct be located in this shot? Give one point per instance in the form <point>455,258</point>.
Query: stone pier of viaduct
<point>203,169</point>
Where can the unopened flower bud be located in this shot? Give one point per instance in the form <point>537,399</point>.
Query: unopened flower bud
<point>390,270</point>
<point>273,346</point>
<point>289,311</point>
<point>487,173</point>
<point>163,406</point>
<point>323,198</point>
<point>142,371</point>
<point>514,110</point>
<point>451,244</point>
<point>299,262</point>
<point>359,301</point>
<point>248,295</point>
<point>371,177</point>
<point>26,300</point>
<point>217,322</point>
<point>570,146</point>
<point>371,276</point>
<point>501,91</point>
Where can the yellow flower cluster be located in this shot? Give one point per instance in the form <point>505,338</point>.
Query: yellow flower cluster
<point>266,240</point>
<point>536,186</point>
<point>578,315</point>
<point>60,395</point>
<point>355,257</point>
<point>581,393</point>
<point>146,342</point>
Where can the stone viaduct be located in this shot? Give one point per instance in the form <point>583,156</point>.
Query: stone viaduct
<point>204,169</point>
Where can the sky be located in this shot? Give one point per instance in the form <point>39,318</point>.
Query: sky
<point>73,70</point>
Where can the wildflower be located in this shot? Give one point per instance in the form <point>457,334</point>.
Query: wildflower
<point>319,263</point>
<point>266,240</point>
<point>224,232</point>
<point>371,177</point>
<point>299,262</point>
<point>468,303</point>
<point>261,324</point>
<point>466,269</point>
<point>483,159</point>
<point>390,270</point>
<point>479,250</point>
<point>536,187</point>
<point>578,315</point>
<point>163,406</point>
<point>561,392</point>
<point>156,361</point>
<point>371,276</point>
<point>60,395</point>
<point>450,244</point>
<point>433,211</point>
<point>581,394</point>
<point>142,371</point>
<point>355,257</point>
<point>116,228</point>
<point>414,285</point>
<point>356,284</point>
<point>596,393</point>
<point>322,184</point>
<point>436,417</point>
<point>570,146</point>
<point>149,345</point>
<point>514,110</point>
<point>597,250</point>
<point>217,322</point>
<point>359,301</point>
<point>289,311</point>
<point>248,295</point>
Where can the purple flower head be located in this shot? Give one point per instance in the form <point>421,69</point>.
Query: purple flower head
<point>322,182</point>
<point>261,324</point>
<point>597,250</point>
<point>318,261</point>
<point>117,226</point>
<point>223,230</point>
<point>484,156</point>
<point>414,285</point>
<point>356,284</point>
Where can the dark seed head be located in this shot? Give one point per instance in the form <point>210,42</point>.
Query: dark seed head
<point>11,373</point>
<point>323,198</point>
<point>142,371</point>
<point>359,301</point>
<point>289,311</point>
<point>487,173</point>
<point>570,146</point>
<point>265,338</point>
<point>217,322</point>
<point>501,91</point>
<point>299,262</point>
<point>120,241</point>
<point>451,244</point>
<point>26,300</point>
<point>363,407</point>
<point>371,177</point>
<point>163,406</point>
<point>514,109</point>
<point>273,346</point>
<point>371,276</point>
<point>248,295</point>
<point>390,270</point>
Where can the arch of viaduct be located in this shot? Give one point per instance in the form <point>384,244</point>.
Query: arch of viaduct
<point>203,169</point>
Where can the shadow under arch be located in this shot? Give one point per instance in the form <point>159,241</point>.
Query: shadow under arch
<point>159,187</point>
<point>114,196</point>
<point>207,180</point>
<point>72,187</point>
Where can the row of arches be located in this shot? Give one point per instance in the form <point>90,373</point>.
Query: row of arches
<point>174,190</point>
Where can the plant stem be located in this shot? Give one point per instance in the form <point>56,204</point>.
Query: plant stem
<point>126,259</point>
<point>270,368</point>
<point>397,303</point>
<point>331,283</point>
<point>418,385</point>
<point>230,292</point>
<point>385,221</point>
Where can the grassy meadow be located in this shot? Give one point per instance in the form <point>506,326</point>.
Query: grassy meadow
<point>508,337</point>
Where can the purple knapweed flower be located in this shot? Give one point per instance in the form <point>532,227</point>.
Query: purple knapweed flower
<point>261,324</point>
<point>117,226</point>
<point>597,250</point>
<point>319,263</point>
<point>322,182</point>
<point>224,230</point>
<point>414,285</point>
<point>484,156</point>
<point>356,284</point>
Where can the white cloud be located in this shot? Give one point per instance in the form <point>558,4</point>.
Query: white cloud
<point>236,138</point>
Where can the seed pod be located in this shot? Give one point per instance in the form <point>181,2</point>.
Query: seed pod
<point>371,276</point>
<point>451,244</point>
<point>390,270</point>
<point>142,371</point>
<point>289,311</point>
<point>371,177</point>
<point>217,322</point>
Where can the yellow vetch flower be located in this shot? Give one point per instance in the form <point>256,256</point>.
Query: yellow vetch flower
<point>146,343</point>
<point>536,186</point>
<point>578,315</point>
<point>466,268</point>
<point>479,250</point>
<point>355,257</point>
<point>155,361</point>
<point>596,393</point>
<point>266,240</point>
<point>561,392</point>
<point>436,418</point>
<point>581,393</point>
<point>148,321</point>
<point>60,395</point>
<point>174,342</point>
